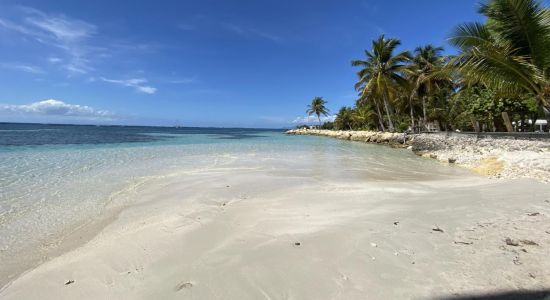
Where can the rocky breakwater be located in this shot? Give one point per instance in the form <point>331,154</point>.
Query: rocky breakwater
<point>398,140</point>
<point>492,157</point>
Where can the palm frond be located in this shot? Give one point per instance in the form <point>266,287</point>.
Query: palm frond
<point>469,35</point>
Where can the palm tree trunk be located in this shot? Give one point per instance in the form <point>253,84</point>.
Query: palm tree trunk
<point>412,113</point>
<point>379,116</point>
<point>546,111</point>
<point>387,106</point>
<point>507,122</point>
<point>424,110</point>
<point>475,124</point>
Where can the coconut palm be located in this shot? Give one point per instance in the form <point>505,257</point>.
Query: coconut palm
<point>364,99</point>
<point>344,118</point>
<point>318,108</point>
<point>511,51</point>
<point>366,103</point>
<point>426,74</point>
<point>363,118</point>
<point>382,72</point>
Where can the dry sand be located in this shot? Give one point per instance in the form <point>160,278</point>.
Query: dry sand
<point>261,233</point>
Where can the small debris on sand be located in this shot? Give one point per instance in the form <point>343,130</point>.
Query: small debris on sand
<point>463,243</point>
<point>297,244</point>
<point>227,186</point>
<point>69,282</point>
<point>374,245</point>
<point>533,214</point>
<point>436,228</point>
<point>511,242</point>
<point>529,243</point>
<point>183,285</point>
<point>396,223</point>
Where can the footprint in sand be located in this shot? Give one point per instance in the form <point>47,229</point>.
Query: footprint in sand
<point>183,285</point>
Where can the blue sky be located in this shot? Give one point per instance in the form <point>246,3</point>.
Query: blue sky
<point>198,63</point>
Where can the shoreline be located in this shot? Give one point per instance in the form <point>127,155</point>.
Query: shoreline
<point>228,238</point>
<point>321,226</point>
<point>77,236</point>
<point>491,157</point>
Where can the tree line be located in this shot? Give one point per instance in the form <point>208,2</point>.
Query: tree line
<point>498,81</point>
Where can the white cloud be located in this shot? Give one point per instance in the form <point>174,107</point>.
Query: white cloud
<point>78,68</point>
<point>313,119</point>
<point>13,26</point>
<point>54,60</point>
<point>184,80</point>
<point>139,84</point>
<point>251,32</point>
<point>52,107</point>
<point>265,35</point>
<point>24,68</point>
<point>146,89</point>
<point>62,28</point>
<point>70,35</point>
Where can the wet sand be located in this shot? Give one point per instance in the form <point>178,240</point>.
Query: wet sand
<point>274,232</point>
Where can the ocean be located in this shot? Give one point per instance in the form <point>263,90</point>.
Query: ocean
<point>55,179</point>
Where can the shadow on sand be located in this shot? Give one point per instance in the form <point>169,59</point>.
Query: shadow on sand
<point>506,295</point>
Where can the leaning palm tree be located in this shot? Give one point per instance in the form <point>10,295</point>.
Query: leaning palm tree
<point>318,108</point>
<point>511,51</point>
<point>382,72</point>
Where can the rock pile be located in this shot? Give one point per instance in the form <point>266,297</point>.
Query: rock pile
<point>493,157</point>
<point>393,139</point>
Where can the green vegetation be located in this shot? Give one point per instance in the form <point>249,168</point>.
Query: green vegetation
<point>317,107</point>
<point>500,77</point>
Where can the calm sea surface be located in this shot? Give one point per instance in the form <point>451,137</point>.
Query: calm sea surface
<point>54,178</point>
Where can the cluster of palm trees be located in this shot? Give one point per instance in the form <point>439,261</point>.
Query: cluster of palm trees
<point>500,77</point>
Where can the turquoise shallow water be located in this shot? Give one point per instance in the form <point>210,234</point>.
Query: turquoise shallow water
<point>56,178</point>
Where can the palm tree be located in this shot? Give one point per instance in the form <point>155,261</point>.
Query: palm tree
<point>364,98</point>
<point>318,108</point>
<point>382,72</point>
<point>344,118</point>
<point>362,117</point>
<point>426,74</point>
<point>511,51</point>
<point>365,104</point>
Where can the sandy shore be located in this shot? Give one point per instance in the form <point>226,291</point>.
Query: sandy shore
<point>268,233</point>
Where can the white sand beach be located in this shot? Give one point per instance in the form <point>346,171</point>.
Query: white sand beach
<point>278,150</point>
<point>278,231</point>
